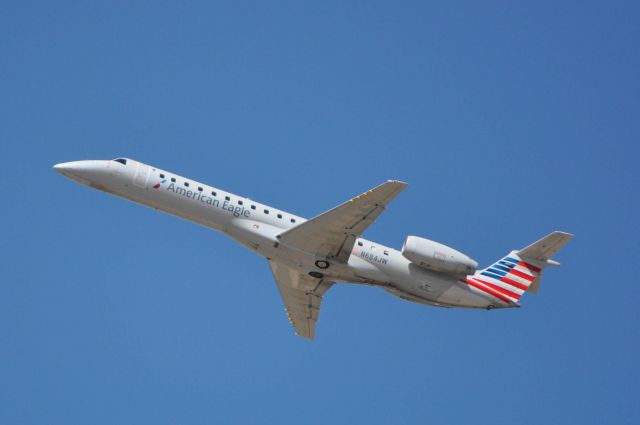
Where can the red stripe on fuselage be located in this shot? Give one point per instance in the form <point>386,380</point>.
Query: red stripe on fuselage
<point>525,276</point>
<point>488,291</point>
<point>514,283</point>
<point>529,266</point>
<point>499,289</point>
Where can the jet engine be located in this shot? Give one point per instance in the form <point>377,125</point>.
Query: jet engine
<point>437,257</point>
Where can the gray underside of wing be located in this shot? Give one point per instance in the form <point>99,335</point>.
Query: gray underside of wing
<point>302,295</point>
<point>332,234</point>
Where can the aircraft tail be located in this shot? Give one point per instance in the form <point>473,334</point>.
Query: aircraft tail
<point>510,277</point>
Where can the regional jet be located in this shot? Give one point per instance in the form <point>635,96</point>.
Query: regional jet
<point>307,257</point>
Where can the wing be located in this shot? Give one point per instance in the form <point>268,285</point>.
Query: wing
<point>333,233</point>
<point>302,295</point>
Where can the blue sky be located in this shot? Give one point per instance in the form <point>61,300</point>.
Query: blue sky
<point>507,120</point>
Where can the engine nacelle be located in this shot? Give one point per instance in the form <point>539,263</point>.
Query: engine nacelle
<point>437,257</point>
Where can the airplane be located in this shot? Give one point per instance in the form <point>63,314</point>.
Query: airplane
<point>307,257</point>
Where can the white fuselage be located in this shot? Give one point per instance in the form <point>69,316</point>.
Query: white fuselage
<point>257,227</point>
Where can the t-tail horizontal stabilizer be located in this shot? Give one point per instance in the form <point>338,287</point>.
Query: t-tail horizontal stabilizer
<point>539,253</point>
<point>545,248</point>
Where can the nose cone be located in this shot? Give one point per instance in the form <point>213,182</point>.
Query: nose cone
<point>81,171</point>
<point>73,170</point>
<point>63,167</point>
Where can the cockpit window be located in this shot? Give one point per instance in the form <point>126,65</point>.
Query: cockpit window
<point>121,161</point>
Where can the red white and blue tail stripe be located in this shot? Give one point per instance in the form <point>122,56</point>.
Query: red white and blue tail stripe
<point>507,279</point>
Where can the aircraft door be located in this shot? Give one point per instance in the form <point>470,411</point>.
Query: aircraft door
<point>141,176</point>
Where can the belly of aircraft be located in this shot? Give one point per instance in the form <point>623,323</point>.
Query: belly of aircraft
<point>442,291</point>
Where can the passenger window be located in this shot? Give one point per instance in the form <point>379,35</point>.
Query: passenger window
<point>239,202</point>
<point>279,215</point>
<point>213,193</point>
<point>173,179</point>
<point>161,175</point>
<point>266,211</point>
<point>386,252</point>
<point>293,220</point>
<point>186,184</point>
<point>226,198</point>
<point>199,189</point>
<point>253,207</point>
<point>359,243</point>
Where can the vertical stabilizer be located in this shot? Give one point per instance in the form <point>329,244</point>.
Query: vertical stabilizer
<point>510,277</point>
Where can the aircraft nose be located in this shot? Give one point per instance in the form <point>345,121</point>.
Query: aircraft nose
<point>70,169</point>
<point>60,168</point>
<point>83,171</point>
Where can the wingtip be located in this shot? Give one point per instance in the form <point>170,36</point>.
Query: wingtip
<point>567,234</point>
<point>400,182</point>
